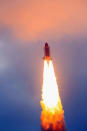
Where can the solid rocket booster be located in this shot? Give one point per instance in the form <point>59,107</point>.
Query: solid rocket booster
<point>47,51</point>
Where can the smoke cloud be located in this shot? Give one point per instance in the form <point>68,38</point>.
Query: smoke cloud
<point>37,19</point>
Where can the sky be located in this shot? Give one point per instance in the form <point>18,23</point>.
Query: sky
<point>25,25</point>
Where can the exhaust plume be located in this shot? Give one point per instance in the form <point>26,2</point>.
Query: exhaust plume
<point>52,115</point>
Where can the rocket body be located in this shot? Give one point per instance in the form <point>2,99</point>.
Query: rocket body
<point>47,52</point>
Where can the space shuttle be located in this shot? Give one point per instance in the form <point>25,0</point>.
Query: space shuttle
<point>47,52</point>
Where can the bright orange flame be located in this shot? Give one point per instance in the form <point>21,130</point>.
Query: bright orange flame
<point>52,111</point>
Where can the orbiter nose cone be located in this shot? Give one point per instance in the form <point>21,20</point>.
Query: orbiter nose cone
<point>46,44</point>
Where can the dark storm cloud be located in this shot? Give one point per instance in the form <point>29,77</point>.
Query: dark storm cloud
<point>19,96</point>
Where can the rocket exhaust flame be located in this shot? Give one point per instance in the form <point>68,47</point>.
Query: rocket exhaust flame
<point>52,115</point>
